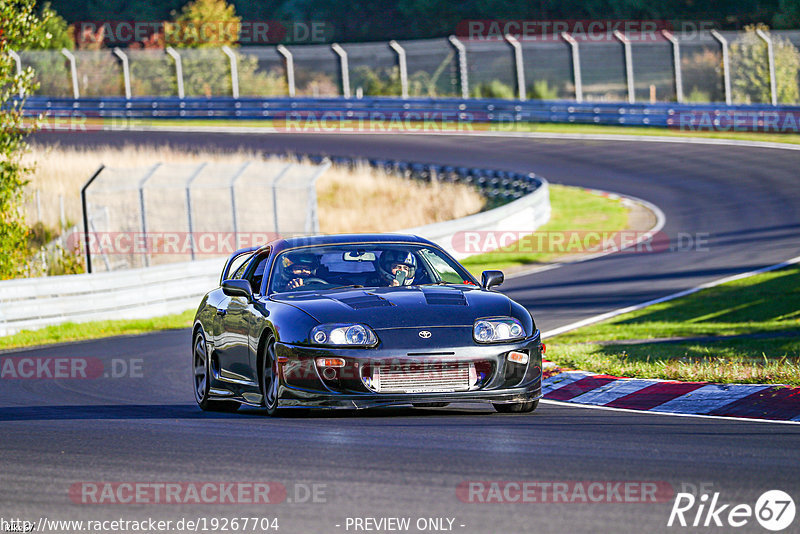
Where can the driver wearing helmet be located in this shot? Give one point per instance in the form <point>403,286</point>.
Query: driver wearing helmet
<point>398,267</point>
<point>298,268</point>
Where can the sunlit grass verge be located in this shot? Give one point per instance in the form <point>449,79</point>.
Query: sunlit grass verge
<point>765,307</point>
<point>573,210</point>
<point>380,126</point>
<point>96,329</point>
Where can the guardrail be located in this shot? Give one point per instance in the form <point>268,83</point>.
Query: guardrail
<point>502,186</point>
<point>298,114</point>
<point>153,291</point>
<point>33,303</point>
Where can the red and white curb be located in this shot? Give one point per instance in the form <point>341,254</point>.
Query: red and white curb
<point>748,401</point>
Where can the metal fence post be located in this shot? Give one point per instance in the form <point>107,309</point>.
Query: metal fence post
<point>234,71</point>
<point>143,212</point>
<point>18,62</point>
<point>232,185</point>
<point>178,68</point>
<point>312,220</point>
<point>85,209</point>
<point>287,56</point>
<point>342,53</point>
<point>576,65</point>
<point>275,194</point>
<point>402,66</point>
<point>676,64</point>
<point>726,65</point>
<point>773,83</point>
<point>519,66</point>
<point>126,71</point>
<point>462,65</point>
<point>73,69</point>
<point>626,48</point>
<point>191,179</point>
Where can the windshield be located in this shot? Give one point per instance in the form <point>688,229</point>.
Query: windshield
<point>364,265</point>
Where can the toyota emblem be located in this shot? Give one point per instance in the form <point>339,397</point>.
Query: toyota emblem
<point>424,334</point>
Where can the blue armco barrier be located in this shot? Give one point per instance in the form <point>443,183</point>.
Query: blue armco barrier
<point>303,111</point>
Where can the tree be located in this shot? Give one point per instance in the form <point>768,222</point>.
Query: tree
<point>750,68</point>
<point>57,33</point>
<point>21,28</point>
<point>204,24</point>
<point>788,15</point>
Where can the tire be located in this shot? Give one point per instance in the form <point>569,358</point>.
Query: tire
<point>202,373</point>
<point>518,407</point>
<point>270,379</point>
<point>429,404</point>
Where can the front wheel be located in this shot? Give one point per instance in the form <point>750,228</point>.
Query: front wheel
<point>270,378</point>
<point>202,379</point>
<point>517,407</point>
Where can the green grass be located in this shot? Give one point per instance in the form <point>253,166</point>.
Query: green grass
<point>660,132</point>
<point>767,303</point>
<point>790,138</point>
<point>573,210</point>
<point>95,329</point>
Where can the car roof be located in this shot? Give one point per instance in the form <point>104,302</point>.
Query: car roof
<point>340,239</point>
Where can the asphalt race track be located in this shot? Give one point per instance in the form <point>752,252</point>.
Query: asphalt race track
<point>409,463</point>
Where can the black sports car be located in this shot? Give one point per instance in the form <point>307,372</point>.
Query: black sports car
<point>356,321</point>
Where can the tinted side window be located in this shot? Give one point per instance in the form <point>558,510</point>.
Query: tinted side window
<point>256,275</point>
<point>239,272</point>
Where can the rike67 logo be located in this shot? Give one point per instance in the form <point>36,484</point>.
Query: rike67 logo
<point>774,510</point>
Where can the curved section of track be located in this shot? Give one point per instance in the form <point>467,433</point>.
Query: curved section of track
<point>744,203</point>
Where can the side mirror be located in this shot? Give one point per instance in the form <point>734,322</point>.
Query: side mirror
<point>489,279</point>
<point>236,288</point>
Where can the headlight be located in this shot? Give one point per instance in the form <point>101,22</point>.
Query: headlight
<point>343,334</point>
<point>497,329</point>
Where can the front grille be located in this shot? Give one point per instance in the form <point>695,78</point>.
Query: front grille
<point>423,378</point>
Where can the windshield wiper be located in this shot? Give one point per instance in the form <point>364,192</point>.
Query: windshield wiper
<point>355,286</point>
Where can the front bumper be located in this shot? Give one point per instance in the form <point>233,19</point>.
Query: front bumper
<point>497,380</point>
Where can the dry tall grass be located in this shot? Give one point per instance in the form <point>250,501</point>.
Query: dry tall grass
<point>367,200</point>
<point>360,200</point>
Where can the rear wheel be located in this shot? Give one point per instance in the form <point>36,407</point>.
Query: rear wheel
<point>270,378</point>
<point>202,380</point>
<point>517,407</point>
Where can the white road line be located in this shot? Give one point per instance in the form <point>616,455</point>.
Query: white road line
<point>650,412</point>
<point>530,135</point>
<point>685,292</point>
<point>661,220</point>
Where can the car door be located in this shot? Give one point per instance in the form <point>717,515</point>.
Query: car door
<point>236,360</point>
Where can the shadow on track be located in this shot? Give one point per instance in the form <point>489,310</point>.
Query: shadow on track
<point>191,411</point>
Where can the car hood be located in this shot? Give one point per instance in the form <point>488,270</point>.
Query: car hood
<point>400,307</point>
